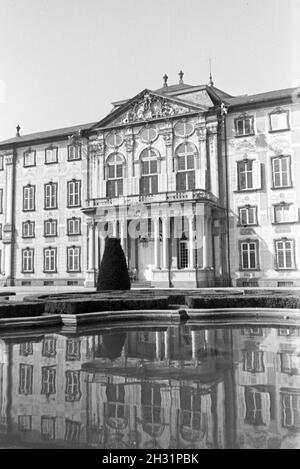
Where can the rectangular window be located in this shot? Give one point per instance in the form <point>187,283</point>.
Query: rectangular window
<point>48,428</point>
<point>74,193</point>
<point>28,198</point>
<point>148,185</point>
<point>252,331</point>
<point>115,188</point>
<point>24,423</point>
<point>253,361</point>
<point>282,213</point>
<point>51,155</point>
<point>50,228</point>
<point>290,363</point>
<point>25,379</point>
<point>48,380</point>
<point>49,347</point>
<point>290,410</point>
<point>26,349</point>
<point>28,229</point>
<point>248,215</point>
<point>244,126</point>
<point>28,260</point>
<point>72,433</point>
<point>73,350</point>
<point>185,181</point>
<point>249,255</point>
<point>50,195</point>
<point>279,121</point>
<point>281,172</point>
<point>1,200</point>
<point>285,254</point>
<point>50,255</point>
<point>74,152</point>
<point>72,392</point>
<point>245,175</point>
<point>183,254</point>
<point>254,406</point>
<point>74,226</point>
<point>73,259</point>
<point>29,158</point>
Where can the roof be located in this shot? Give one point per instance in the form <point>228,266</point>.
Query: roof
<point>48,134</point>
<point>261,97</point>
<point>170,89</point>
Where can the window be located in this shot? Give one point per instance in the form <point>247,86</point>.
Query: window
<point>290,409</point>
<point>244,126</point>
<point>1,200</point>
<point>73,259</point>
<point>50,255</point>
<point>149,178</point>
<point>285,254</point>
<point>28,198</point>
<point>185,154</point>
<point>115,175</point>
<point>29,158</point>
<point>72,433</point>
<point>290,363</point>
<point>26,349</point>
<point>49,347</point>
<point>48,380</point>
<point>48,428</point>
<point>281,172</point>
<point>51,155</point>
<point>183,254</point>
<point>254,331</point>
<point>289,332</point>
<point>74,226</point>
<point>73,350</point>
<point>28,229</point>
<point>1,163</point>
<point>74,193</point>
<point>279,121</point>
<point>253,361</point>
<point>24,423</point>
<point>25,379</point>
<point>74,152</point>
<point>50,195</point>
<point>72,392</point>
<point>248,215</point>
<point>245,175</point>
<point>254,406</point>
<point>50,228</point>
<point>28,260</point>
<point>249,255</point>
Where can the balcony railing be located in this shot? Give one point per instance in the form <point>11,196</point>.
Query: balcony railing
<point>125,200</point>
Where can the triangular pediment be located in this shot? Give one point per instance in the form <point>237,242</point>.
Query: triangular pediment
<point>146,106</point>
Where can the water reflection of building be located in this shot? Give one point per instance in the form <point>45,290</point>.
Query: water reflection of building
<point>163,387</point>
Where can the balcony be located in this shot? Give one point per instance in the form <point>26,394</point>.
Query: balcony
<point>123,201</point>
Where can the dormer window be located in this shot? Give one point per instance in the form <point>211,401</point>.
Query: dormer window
<point>279,120</point>
<point>244,126</point>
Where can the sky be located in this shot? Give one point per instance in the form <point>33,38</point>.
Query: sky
<point>63,62</point>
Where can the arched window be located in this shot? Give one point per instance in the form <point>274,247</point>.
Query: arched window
<point>185,154</point>
<point>149,178</point>
<point>115,175</point>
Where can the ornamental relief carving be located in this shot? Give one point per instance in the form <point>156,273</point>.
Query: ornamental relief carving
<point>280,146</point>
<point>151,107</point>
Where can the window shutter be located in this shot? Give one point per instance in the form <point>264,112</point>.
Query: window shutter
<point>234,176</point>
<point>294,213</point>
<point>256,168</point>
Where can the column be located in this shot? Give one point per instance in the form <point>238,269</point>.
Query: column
<point>8,218</point>
<point>213,158</point>
<point>194,345</point>
<point>165,236</point>
<point>204,240</point>
<point>191,242</point>
<point>91,246</point>
<point>97,263</point>
<point>122,234</point>
<point>167,344</point>
<point>202,133</point>
<point>156,243</point>
<point>158,346</point>
<point>114,227</point>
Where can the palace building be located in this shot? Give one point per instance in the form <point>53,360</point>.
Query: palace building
<point>200,187</point>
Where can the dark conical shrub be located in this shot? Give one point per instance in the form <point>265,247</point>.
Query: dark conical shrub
<point>113,272</point>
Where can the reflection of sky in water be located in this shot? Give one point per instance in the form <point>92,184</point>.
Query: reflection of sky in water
<point>166,387</point>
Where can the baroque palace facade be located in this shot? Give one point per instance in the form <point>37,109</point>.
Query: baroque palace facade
<point>200,187</point>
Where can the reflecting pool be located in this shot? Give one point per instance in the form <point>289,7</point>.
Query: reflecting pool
<point>151,387</point>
